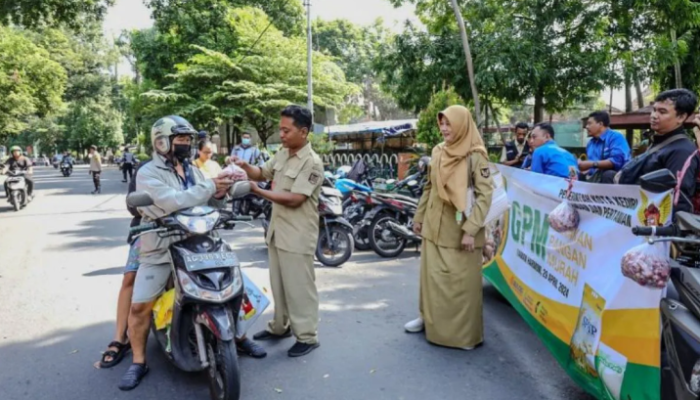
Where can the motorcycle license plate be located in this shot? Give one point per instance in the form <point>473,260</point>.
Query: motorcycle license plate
<point>198,262</point>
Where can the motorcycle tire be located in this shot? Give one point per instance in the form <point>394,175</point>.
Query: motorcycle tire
<point>343,234</point>
<point>362,240</point>
<point>16,202</point>
<point>377,228</point>
<point>223,372</point>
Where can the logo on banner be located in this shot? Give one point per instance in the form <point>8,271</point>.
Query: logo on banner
<point>650,214</point>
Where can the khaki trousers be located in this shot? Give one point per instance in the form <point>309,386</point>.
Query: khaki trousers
<point>293,282</point>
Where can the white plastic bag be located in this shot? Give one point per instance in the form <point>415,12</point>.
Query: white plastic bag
<point>499,199</point>
<point>233,172</point>
<point>564,218</point>
<point>648,265</point>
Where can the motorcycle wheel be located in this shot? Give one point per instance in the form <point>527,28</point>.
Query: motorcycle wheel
<point>362,240</point>
<point>385,243</point>
<point>16,202</point>
<point>344,245</point>
<point>223,372</point>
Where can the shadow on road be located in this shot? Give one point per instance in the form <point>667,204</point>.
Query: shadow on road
<point>96,234</point>
<point>106,271</point>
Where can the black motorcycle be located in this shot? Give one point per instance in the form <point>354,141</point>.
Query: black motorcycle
<point>390,224</point>
<point>208,287</point>
<point>680,310</point>
<point>66,169</point>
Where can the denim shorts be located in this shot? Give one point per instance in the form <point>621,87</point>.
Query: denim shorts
<point>132,262</point>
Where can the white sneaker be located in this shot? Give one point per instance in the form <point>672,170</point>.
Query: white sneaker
<point>415,326</point>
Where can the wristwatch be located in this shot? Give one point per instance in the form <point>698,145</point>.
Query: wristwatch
<point>595,164</point>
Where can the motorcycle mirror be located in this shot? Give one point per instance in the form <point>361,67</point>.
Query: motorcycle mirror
<point>240,189</point>
<point>658,181</point>
<point>139,199</point>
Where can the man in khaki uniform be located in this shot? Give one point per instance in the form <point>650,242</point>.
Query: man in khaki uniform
<point>297,175</point>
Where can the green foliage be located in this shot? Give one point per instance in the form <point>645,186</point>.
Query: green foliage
<point>33,13</point>
<point>320,143</point>
<point>31,83</point>
<point>428,129</point>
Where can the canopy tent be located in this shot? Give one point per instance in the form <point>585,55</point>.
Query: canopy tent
<point>372,129</point>
<point>639,119</point>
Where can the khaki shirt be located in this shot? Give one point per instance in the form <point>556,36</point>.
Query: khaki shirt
<point>295,229</point>
<point>439,218</point>
<point>95,162</point>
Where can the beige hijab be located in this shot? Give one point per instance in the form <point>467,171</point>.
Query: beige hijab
<point>451,159</point>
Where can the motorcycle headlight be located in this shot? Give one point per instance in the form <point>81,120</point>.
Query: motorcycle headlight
<point>190,287</point>
<point>199,224</point>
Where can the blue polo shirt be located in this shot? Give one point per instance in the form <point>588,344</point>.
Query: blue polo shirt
<point>611,146</point>
<point>550,159</point>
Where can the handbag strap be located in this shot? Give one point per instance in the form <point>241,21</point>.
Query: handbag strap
<point>655,149</point>
<point>680,175</point>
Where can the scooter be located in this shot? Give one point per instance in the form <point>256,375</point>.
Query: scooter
<point>335,237</point>
<point>66,169</point>
<point>680,310</point>
<point>17,185</point>
<point>208,287</point>
<point>389,225</point>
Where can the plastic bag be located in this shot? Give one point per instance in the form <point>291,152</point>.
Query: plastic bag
<point>234,172</point>
<point>647,265</point>
<point>564,218</point>
<point>163,309</point>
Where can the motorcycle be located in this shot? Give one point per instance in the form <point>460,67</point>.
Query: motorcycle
<point>680,309</point>
<point>389,225</point>
<point>335,238</point>
<point>251,204</point>
<point>209,291</point>
<point>17,186</point>
<point>66,169</point>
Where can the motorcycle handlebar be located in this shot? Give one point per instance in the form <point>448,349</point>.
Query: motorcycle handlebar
<point>655,231</point>
<point>142,228</point>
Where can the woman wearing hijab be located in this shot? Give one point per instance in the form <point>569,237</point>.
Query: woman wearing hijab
<point>453,235</point>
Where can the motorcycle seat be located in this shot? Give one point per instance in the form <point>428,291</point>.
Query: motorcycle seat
<point>399,197</point>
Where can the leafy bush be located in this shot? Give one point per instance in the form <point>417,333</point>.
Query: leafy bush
<point>428,129</point>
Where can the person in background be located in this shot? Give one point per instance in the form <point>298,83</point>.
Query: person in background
<point>247,152</point>
<point>607,151</point>
<point>527,161</point>
<point>210,168</point>
<point>451,311</point>
<point>128,162</point>
<point>549,158</point>
<point>298,174</point>
<point>95,168</point>
<point>670,145</point>
<point>514,151</point>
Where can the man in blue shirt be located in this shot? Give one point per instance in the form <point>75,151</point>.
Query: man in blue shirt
<point>247,152</point>
<point>607,150</point>
<point>549,158</point>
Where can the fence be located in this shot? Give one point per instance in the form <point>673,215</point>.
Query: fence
<point>381,165</point>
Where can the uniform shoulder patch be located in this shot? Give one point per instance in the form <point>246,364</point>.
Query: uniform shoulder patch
<point>486,172</point>
<point>314,177</point>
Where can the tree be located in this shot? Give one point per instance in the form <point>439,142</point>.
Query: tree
<point>428,129</point>
<point>31,83</point>
<point>251,87</point>
<point>35,13</point>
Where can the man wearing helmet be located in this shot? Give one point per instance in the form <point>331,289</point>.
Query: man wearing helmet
<point>174,185</point>
<point>18,162</point>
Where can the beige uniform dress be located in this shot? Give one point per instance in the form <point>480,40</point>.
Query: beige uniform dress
<point>450,277</point>
<point>291,240</point>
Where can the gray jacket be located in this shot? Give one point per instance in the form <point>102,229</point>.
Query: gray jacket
<point>161,181</point>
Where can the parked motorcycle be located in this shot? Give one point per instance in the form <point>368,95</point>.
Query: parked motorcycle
<point>66,169</point>
<point>17,185</point>
<point>680,310</point>
<point>208,292</point>
<point>251,204</point>
<point>390,224</point>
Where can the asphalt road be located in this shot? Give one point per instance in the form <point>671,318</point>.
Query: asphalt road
<point>61,262</point>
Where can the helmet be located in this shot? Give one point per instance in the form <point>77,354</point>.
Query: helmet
<point>167,127</point>
<point>15,148</point>
<point>423,164</point>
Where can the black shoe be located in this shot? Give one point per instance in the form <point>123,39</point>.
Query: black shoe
<point>251,349</point>
<point>133,376</point>
<point>265,335</point>
<point>301,349</point>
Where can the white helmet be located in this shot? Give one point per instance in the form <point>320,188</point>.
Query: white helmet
<point>167,127</point>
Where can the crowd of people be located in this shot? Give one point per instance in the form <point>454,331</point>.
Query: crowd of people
<point>608,156</point>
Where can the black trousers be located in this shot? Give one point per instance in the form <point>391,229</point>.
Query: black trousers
<point>96,179</point>
<point>130,169</point>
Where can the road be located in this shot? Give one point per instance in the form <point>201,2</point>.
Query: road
<point>61,262</point>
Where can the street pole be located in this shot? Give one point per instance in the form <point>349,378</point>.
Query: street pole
<point>309,61</point>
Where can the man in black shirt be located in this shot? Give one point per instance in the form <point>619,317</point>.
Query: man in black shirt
<point>670,147</point>
<point>18,162</point>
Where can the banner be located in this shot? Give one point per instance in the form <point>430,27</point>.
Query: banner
<point>603,328</point>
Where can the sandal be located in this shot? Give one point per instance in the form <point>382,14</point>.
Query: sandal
<point>116,356</point>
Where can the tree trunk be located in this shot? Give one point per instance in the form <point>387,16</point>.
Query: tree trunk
<point>628,105</point>
<point>468,55</point>
<point>638,88</point>
<point>539,106</point>
<point>498,125</point>
<point>486,115</point>
<point>676,60</point>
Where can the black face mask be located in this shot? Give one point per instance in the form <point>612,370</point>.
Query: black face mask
<point>182,151</point>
